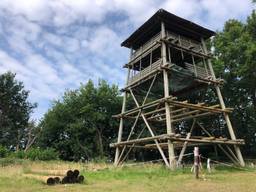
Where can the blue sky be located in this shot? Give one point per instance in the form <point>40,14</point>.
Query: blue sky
<point>54,45</point>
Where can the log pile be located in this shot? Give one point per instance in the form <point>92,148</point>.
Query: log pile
<point>69,178</point>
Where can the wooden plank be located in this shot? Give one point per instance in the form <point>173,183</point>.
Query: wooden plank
<point>195,106</point>
<point>142,75</point>
<point>145,106</point>
<point>141,140</point>
<point>193,116</point>
<point>155,111</point>
<point>210,109</point>
<point>177,145</point>
<point>172,137</point>
<point>142,53</point>
<point>186,49</point>
<point>217,141</point>
<point>219,145</point>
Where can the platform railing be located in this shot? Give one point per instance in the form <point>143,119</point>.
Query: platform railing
<point>146,46</point>
<point>185,42</point>
<point>200,72</point>
<point>146,71</point>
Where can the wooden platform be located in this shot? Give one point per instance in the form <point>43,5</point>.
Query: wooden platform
<point>174,137</point>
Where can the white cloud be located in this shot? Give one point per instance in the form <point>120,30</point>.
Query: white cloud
<point>9,63</point>
<point>71,44</point>
<point>52,39</point>
<point>104,42</point>
<point>187,9</point>
<point>219,11</point>
<point>34,10</point>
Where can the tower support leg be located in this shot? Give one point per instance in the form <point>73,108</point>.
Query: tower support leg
<point>120,131</point>
<point>230,128</point>
<point>170,130</point>
<point>169,127</point>
<point>222,104</point>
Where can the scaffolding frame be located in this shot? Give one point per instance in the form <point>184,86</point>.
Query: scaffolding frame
<point>168,109</point>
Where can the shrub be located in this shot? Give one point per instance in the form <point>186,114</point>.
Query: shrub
<point>42,154</point>
<point>50,154</point>
<point>34,154</point>
<point>18,154</point>
<point>3,151</point>
<point>37,154</point>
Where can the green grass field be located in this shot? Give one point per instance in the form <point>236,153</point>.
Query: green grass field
<point>31,176</point>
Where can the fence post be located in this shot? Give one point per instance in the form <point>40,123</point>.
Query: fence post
<point>196,161</point>
<point>209,165</point>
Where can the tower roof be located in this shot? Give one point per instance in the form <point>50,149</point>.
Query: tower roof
<point>172,23</point>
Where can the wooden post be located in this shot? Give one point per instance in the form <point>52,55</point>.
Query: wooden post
<point>196,162</point>
<point>186,143</point>
<point>136,121</point>
<point>120,131</point>
<point>209,165</point>
<point>169,127</point>
<point>222,104</point>
<point>151,132</point>
<point>121,124</point>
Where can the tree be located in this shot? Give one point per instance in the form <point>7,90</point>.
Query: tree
<point>80,125</point>
<point>32,132</point>
<point>235,53</point>
<point>15,110</point>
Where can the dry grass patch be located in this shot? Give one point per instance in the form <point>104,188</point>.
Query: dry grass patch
<point>31,176</point>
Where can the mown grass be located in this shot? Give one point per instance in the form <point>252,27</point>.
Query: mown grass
<point>30,176</point>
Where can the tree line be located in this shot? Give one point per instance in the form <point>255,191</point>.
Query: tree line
<point>80,125</point>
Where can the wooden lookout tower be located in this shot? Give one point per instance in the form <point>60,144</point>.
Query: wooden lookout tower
<point>168,71</point>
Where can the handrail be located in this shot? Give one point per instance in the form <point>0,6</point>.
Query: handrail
<point>145,72</point>
<point>199,71</point>
<point>145,46</point>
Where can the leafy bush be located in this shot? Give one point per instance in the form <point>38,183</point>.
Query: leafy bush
<point>3,151</point>
<point>37,154</point>
<point>18,154</point>
<point>40,154</point>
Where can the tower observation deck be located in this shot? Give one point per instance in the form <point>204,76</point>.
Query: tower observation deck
<point>168,76</point>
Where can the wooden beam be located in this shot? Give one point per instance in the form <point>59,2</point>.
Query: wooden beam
<point>145,106</point>
<point>226,116</point>
<point>141,140</point>
<point>136,120</point>
<point>172,44</point>
<point>195,106</point>
<point>126,155</point>
<point>169,126</point>
<point>190,117</point>
<point>217,141</point>
<point>186,143</point>
<point>219,145</point>
<point>173,137</point>
<point>151,132</point>
<point>172,102</point>
<point>120,131</point>
<point>155,111</point>
<point>177,145</point>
